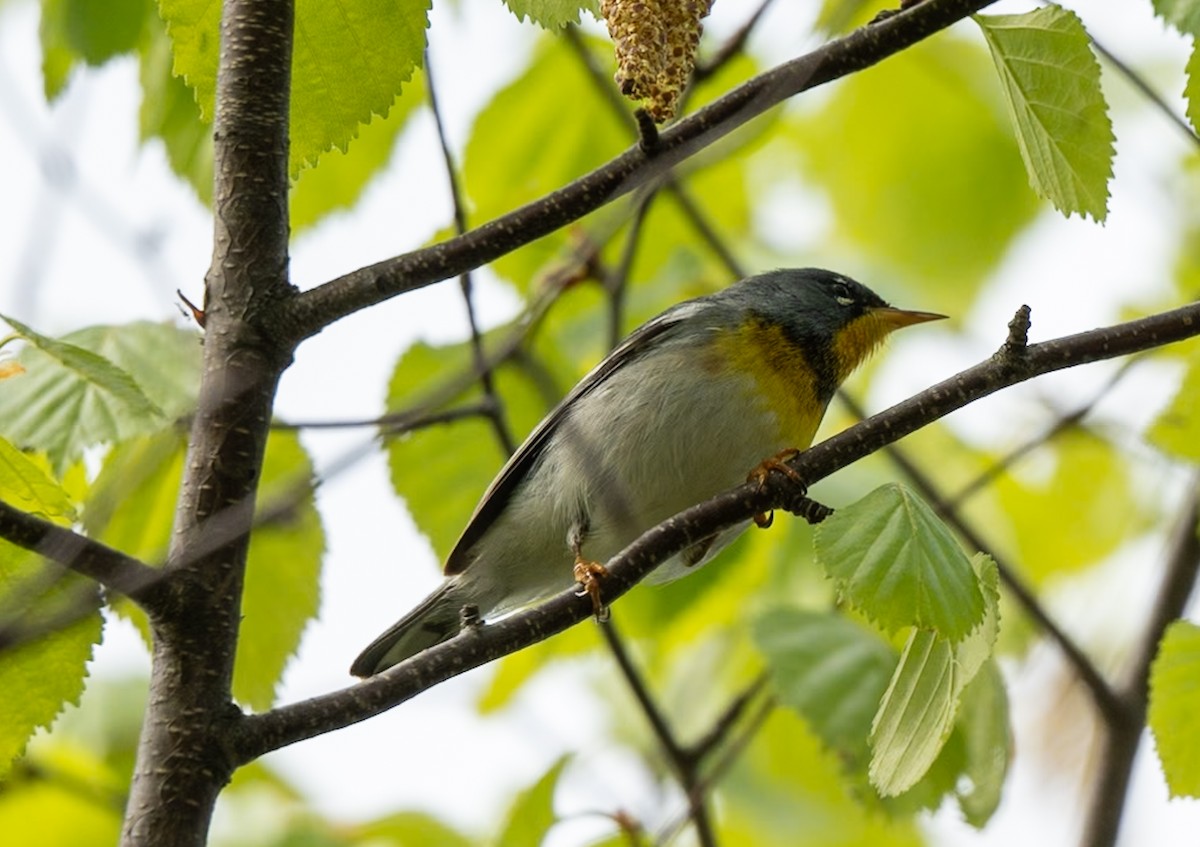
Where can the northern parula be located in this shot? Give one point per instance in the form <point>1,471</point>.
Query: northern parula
<point>680,411</point>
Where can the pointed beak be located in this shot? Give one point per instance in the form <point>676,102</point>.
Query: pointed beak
<point>894,318</point>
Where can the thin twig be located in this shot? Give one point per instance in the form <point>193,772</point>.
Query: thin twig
<point>1061,424</point>
<point>617,283</point>
<point>721,766</point>
<point>683,765</point>
<point>731,48</point>
<point>111,568</point>
<point>1139,82</point>
<point>699,750</point>
<point>496,408</point>
<point>1123,737</point>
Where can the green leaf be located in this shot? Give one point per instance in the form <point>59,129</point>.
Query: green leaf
<point>131,507</point>
<point>58,812</point>
<point>410,828</point>
<point>169,112</point>
<point>963,181</point>
<point>918,711</point>
<point>163,359</point>
<point>1191,91</point>
<point>49,671</point>
<point>27,487</point>
<point>70,398</point>
<point>531,815</point>
<point>58,608</point>
<point>788,789</point>
<point>1174,714</point>
<point>983,720</point>
<point>829,669</point>
<point>283,572</point>
<point>343,175</point>
<point>349,62</point>
<point>465,451</point>
<point>574,130</point>
<point>1051,82</point>
<point>131,504</point>
<point>1184,15</point>
<point>74,30</point>
<point>1089,473</point>
<point>1176,430</point>
<point>894,560</point>
<point>552,14</point>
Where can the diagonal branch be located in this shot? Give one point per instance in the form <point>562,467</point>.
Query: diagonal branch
<point>111,568</point>
<point>312,310</point>
<point>261,733</point>
<point>1123,737</point>
<point>495,415</point>
<point>677,755</point>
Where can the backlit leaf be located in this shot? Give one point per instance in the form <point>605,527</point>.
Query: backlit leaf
<point>984,721</point>
<point>132,506</point>
<point>531,815</point>
<point>553,14</point>
<point>572,129</point>
<point>1051,82</point>
<point>1174,715</point>
<point>25,486</point>
<point>894,560</point>
<point>466,451</point>
<point>918,711</point>
<point>349,62</point>
<point>343,175</point>
<point>1091,475</point>
<point>1176,430</point>
<point>939,206</point>
<point>71,398</point>
<point>54,614</point>
<point>169,113</point>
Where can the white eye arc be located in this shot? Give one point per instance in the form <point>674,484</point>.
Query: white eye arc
<point>841,292</point>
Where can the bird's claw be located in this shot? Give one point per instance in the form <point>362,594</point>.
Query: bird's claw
<point>779,464</point>
<point>588,575</point>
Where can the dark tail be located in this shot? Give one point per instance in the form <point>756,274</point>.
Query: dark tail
<point>432,622</point>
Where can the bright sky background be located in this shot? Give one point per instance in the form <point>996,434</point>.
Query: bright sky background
<point>97,230</point>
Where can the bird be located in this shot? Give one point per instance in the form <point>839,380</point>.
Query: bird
<point>684,408</point>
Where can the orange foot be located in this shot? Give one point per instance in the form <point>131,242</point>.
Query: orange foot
<point>779,464</point>
<point>588,575</point>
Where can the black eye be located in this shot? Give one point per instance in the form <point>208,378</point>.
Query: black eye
<point>842,292</point>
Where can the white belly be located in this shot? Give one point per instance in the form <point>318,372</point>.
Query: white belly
<point>622,469</point>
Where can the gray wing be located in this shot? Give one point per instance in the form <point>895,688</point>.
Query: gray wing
<point>495,499</point>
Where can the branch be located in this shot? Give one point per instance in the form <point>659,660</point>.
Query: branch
<point>111,568</point>
<point>683,764</point>
<point>261,733</point>
<point>182,761</point>
<point>732,751</point>
<point>495,409</point>
<point>1120,745</point>
<point>312,310</point>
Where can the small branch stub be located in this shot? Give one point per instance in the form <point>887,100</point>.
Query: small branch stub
<point>1018,332</point>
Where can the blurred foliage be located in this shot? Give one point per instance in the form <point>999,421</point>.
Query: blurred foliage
<point>924,165</point>
<point>1174,720</point>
